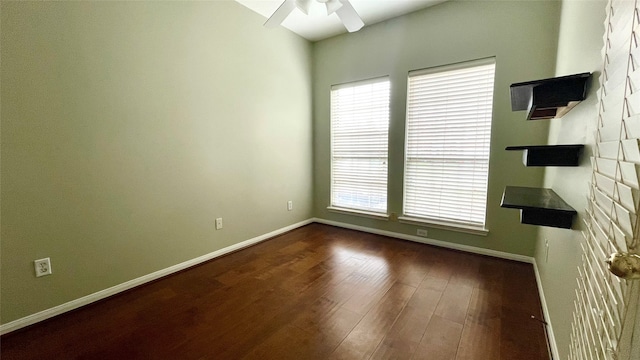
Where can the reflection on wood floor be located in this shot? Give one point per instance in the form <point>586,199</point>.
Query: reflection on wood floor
<point>317,292</point>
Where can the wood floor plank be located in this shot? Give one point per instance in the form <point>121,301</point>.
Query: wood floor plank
<point>480,341</point>
<point>485,305</point>
<point>480,337</point>
<point>367,294</point>
<point>519,279</point>
<point>402,340</point>
<point>317,292</point>
<point>513,345</point>
<point>365,337</point>
<point>466,270</point>
<point>287,343</point>
<point>442,264</point>
<point>408,267</point>
<point>324,276</point>
<point>454,302</point>
<point>440,340</point>
<point>307,337</point>
<point>428,294</point>
<point>491,274</point>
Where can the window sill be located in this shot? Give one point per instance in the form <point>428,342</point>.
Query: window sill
<point>369,214</point>
<point>444,225</point>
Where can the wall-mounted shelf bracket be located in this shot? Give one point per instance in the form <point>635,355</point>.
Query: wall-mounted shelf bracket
<point>539,206</point>
<point>549,98</point>
<point>550,155</point>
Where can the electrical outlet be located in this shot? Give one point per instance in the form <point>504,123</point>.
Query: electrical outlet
<point>289,205</point>
<point>42,267</point>
<point>422,232</point>
<point>218,223</point>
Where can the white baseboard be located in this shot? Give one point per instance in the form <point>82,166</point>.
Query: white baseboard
<point>423,240</point>
<point>545,310</point>
<point>102,294</point>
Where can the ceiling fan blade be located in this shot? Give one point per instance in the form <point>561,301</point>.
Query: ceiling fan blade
<point>332,6</point>
<point>303,5</point>
<point>349,16</point>
<point>281,13</point>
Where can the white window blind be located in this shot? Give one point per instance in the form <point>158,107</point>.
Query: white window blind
<point>447,143</point>
<point>359,139</point>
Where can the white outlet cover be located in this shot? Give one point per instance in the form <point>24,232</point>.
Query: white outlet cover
<point>42,267</point>
<point>218,223</point>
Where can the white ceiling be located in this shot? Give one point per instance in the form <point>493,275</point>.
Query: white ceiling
<point>317,25</point>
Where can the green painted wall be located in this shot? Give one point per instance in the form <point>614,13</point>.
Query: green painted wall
<point>522,35</point>
<point>579,46</point>
<point>127,127</point>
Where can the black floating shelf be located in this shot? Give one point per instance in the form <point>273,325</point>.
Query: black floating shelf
<point>549,98</point>
<point>539,206</point>
<point>550,155</point>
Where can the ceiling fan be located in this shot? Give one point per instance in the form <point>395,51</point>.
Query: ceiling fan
<point>342,8</point>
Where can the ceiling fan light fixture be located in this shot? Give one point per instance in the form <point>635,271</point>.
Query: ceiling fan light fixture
<point>343,8</point>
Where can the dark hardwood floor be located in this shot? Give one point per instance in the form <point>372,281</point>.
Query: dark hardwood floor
<point>317,292</point>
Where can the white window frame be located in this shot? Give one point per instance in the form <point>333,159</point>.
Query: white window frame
<point>425,207</point>
<point>344,153</point>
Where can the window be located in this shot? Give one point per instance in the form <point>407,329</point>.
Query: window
<point>359,138</point>
<point>447,144</point>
